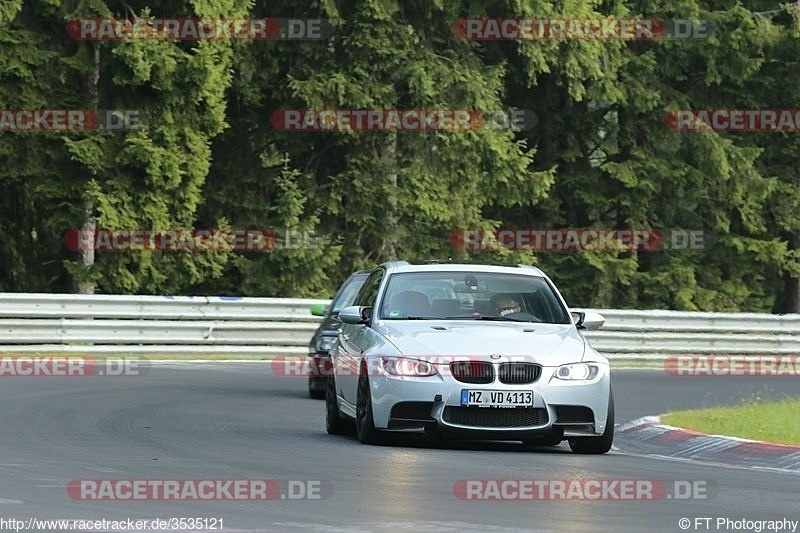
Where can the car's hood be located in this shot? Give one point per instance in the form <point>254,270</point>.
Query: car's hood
<point>547,344</point>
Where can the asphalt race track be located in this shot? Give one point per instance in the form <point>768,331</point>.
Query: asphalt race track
<point>238,421</point>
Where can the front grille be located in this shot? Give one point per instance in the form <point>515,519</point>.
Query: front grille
<point>495,417</point>
<point>519,373</point>
<point>472,371</point>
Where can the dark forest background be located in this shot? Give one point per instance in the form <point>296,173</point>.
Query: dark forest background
<point>599,156</point>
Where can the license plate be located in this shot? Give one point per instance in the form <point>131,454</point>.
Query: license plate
<point>497,398</point>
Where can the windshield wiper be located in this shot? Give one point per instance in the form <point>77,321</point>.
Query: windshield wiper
<point>412,318</point>
<point>495,318</point>
<point>503,319</point>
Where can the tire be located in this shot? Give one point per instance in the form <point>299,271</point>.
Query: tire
<point>314,392</point>
<point>335,423</point>
<point>365,424</point>
<point>550,438</point>
<point>601,444</point>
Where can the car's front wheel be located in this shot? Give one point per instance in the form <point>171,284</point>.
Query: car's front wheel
<point>335,423</point>
<point>365,424</point>
<point>601,444</point>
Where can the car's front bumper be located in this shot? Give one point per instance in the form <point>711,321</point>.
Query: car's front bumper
<point>580,408</point>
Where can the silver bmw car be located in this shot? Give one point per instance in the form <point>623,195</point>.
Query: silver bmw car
<point>477,350</point>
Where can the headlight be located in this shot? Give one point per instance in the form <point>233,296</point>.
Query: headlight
<point>325,343</point>
<point>577,371</point>
<point>404,366</point>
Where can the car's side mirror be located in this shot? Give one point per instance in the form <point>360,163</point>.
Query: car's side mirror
<point>355,314</point>
<point>588,320</point>
<point>319,309</point>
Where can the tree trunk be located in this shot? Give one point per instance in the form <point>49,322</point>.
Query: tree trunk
<point>791,287</point>
<point>89,221</point>
<point>389,158</point>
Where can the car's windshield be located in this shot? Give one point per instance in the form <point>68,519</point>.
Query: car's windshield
<point>471,296</point>
<point>348,292</point>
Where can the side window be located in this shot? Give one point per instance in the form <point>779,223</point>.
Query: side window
<point>348,295</point>
<point>369,292</point>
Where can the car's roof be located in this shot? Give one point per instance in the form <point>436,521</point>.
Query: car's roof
<point>396,267</point>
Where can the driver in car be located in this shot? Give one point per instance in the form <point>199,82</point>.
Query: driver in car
<point>507,304</point>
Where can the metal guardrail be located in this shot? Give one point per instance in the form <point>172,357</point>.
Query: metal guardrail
<point>184,326</point>
<point>656,334</point>
<point>154,325</point>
